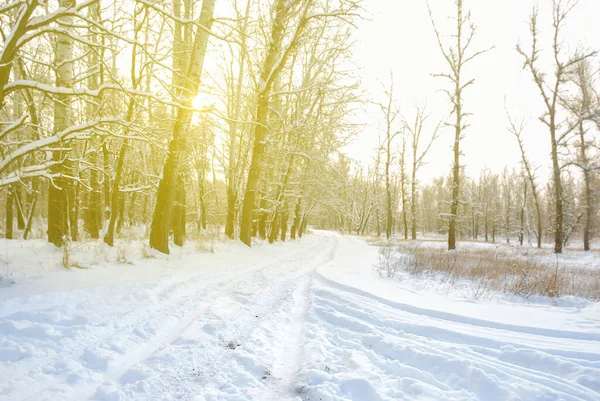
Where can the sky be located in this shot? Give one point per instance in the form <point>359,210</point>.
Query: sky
<point>397,36</point>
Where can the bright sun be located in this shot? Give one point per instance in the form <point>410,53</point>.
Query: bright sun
<point>203,101</point>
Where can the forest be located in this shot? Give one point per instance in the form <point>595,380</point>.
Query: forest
<point>299,200</point>
<point>181,118</point>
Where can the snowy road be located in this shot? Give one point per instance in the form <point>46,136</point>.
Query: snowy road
<point>306,320</point>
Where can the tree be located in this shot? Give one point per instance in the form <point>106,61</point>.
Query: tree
<point>234,103</point>
<point>517,131</point>
<point>274,62</point>
<point>60,194</point>
<point>161,221</point>
<point>551,92</point>
<point>418,158</point>
<point>583,107</point>
<point>457,56</point>
<point>390,112</point>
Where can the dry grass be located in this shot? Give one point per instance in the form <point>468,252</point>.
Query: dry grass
<point>490,270</point>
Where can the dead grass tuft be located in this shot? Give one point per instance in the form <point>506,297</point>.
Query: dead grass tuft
<point>492,270</point>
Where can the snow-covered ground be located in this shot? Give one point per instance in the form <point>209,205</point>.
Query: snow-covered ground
<point>304,320</point>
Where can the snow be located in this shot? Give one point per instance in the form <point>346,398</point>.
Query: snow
<point>303,320</point>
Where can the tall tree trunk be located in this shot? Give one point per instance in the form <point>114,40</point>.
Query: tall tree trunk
<point>274,62</point>
<point>58,199</point>
<point>522,217</point>
<point>33,203</point>
<point>455,173</point>
<point>8,229</point>
<point>159,231</point>
<point>73,196</point>
<point>201,194</point>
<point>297,218</point>
<point>558,190</point>
<point>413,205</point>
<point>388,192</point>
<point>262,216</point>
<point>179,220</point>
<point>132,210</point>
<point>106,182</point>
<point>121,213</point>
<point>20,211</point>
<point>403,188</point>
<point>279,200</point>
<point>232,192</point>
<point>109,238</point>
<point>93,212</point>
<point>284,222</point>
<point>587,193</point>
<point>116,187</point>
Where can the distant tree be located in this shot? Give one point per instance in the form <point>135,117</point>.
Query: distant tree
<point>457,56</point>
<point>390,113</point>
<point>551,92</point>
<point>418,157</point>
<point>517,131</point>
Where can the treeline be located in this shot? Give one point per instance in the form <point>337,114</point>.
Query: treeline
<point>171,115</point>
<point>494,208</point>
<point>180,116</point>
<point>514,204</point>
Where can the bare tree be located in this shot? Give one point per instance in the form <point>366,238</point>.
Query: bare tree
<point>550,92</point>
<point>418,158</point>
<point>390,113</point>
<point>585,103</point>
<point>274,62</point>
<point>517,131</point>
<point>457,55</point>
<point>161,221</point>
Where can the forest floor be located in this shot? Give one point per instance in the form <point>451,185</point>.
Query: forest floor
<point>308,320</point>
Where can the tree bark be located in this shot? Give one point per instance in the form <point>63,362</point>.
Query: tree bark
<point>93,212</point>
<point>8,233</point>
<point>232,191</point>
<point>161,221</point>
<point>274,62</point>
<point>587,192</point>
<point>58,199</point>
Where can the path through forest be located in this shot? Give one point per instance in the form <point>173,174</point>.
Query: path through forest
<point>306,320</point>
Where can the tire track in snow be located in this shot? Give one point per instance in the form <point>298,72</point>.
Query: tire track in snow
<point>287,364</point>
<point>139,329</point>
<point>179,366</point>
<point>407,348</point>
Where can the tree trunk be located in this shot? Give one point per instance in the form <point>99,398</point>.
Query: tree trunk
<point>8,233</point>
<point>179,209</point>
<point>58,199</point>
<point>284,223</point>
<point>297,218</point>
<point>20,212</point>
<point>274,62</point>
<point>558,191</point>
<point>93,212</point>
<point>109,238</point>
<point>33,203</point>
<point>132,210</point>
<point>587,195</point>
<point>388,191</point>
<point>455,174</point>
<point>159,231</point>
<point>522,217</point>
<point>232,193</point>
<point>279,200</point>
<point>106,181</point>
<point>121,212</point>
<point>413,205</point>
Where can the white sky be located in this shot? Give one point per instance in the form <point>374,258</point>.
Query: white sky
<point>399,37</point>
